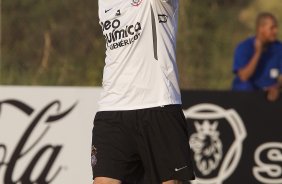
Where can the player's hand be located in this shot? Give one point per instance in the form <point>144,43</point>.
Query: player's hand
<point>258,46</point>
<point>273,94</point>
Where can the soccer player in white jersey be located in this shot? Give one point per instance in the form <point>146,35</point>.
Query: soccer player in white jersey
<point>140,133</point>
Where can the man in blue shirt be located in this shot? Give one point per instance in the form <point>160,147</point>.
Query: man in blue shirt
<point>258,60</point>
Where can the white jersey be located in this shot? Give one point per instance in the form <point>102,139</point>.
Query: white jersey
<point>140,70</point>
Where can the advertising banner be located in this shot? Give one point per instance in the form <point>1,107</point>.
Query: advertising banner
<point>234,137</point>
<point>45,134</point>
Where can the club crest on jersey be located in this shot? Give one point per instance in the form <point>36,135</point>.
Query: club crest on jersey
<point>136,2</point>
<point>93,156</point>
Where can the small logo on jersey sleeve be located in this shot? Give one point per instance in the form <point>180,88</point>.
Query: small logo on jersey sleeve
<point>136,2</point>
<point>162,18</point>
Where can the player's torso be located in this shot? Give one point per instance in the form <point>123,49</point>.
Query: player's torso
<point>140,40</point>
<point>124,21</point>
<point>269,67</point>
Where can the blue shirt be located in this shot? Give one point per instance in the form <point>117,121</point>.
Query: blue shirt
<point>268,69</point>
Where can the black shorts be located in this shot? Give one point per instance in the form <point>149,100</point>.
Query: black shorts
<point>147,146</point>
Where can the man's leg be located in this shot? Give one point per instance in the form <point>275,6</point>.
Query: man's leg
<point>104,180</point>
<point>164,145</point>
<point>114,155</point>
<point>172,182</point>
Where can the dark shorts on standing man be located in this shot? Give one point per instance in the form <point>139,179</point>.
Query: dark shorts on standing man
<point>147,146</point>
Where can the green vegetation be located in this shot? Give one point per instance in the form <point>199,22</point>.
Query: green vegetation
<point>60,42</point>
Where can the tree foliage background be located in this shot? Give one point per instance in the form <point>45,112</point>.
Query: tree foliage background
<point>49,42</point>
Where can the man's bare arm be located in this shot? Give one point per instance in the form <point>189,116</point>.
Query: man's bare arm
<point>280,81</point>
<point>274,92</point>
<point>246,73</point>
